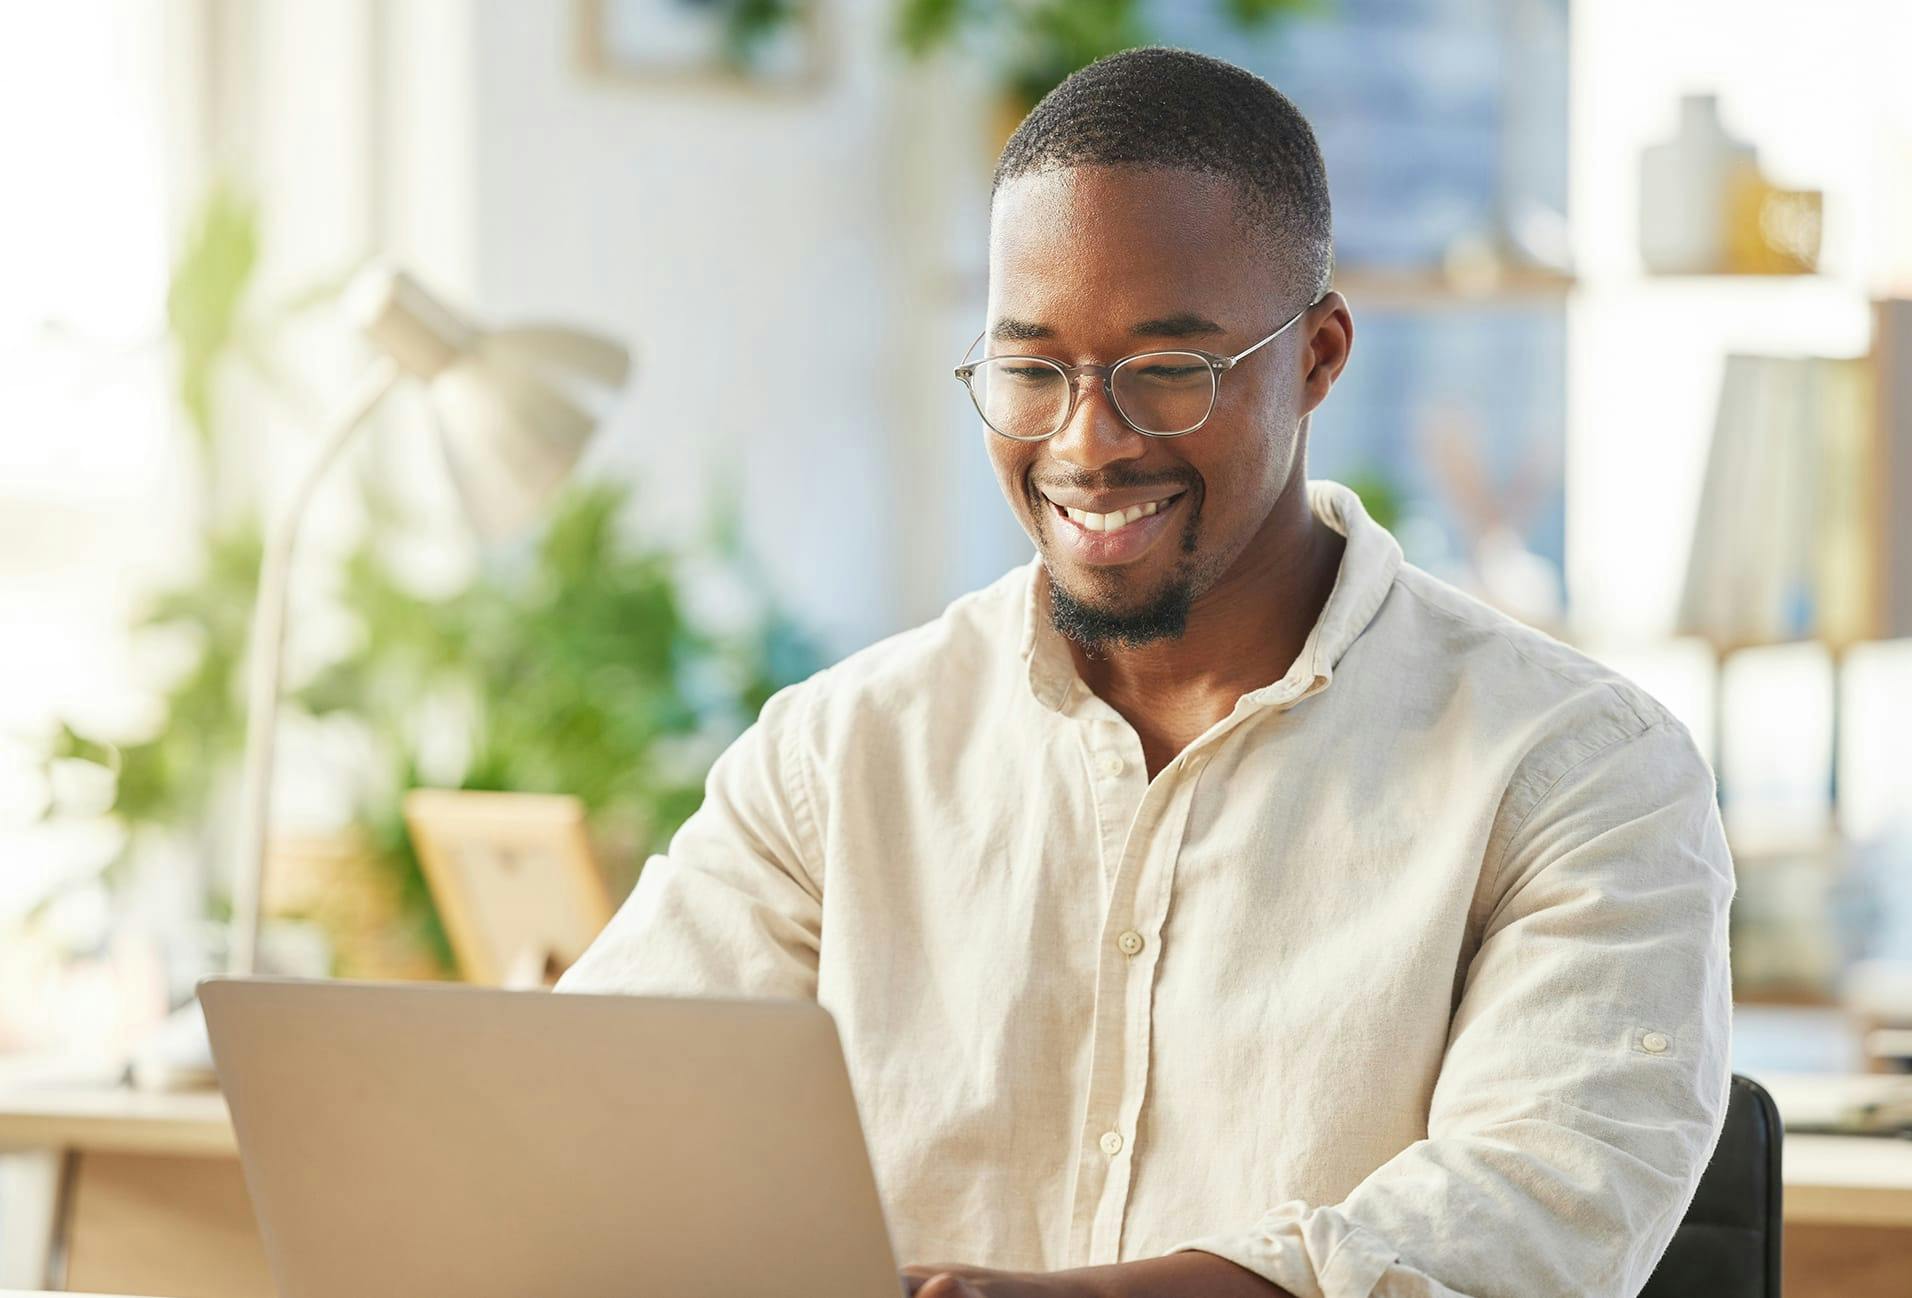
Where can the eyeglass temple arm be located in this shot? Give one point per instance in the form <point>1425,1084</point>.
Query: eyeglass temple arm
<point>966,351</point>
<point>1239,356</point>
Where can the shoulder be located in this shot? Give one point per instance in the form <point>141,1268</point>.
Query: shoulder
<point>1553,706</point>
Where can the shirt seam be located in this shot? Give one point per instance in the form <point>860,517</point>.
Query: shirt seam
<point>1493,882</point>
<point>797,790</point>
<point>1501,633</point>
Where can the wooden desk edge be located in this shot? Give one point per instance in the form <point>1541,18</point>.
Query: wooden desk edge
<point>1847,1180</point>
<point>1828,1180</point>
<point>1848,1205</point>
<point>124,1122</point>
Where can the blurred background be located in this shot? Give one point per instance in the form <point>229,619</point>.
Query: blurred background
<point>1633,362</point>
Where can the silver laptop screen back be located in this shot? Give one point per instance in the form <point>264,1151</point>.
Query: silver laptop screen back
<point>407,1139</point>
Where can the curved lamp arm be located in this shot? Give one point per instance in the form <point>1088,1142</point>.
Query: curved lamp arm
<point>267,644</point>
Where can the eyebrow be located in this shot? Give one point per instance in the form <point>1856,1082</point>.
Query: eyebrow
<point>1183,325</point>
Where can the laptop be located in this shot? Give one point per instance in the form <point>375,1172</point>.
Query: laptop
<point>427,1138</point>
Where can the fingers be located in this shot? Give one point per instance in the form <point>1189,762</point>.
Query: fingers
<point>947,1284</point>
<point>936,1282</point>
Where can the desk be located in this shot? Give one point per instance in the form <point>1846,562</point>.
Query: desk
<point>154,1201</point>
<point>146,1192</point>
<point>1848,1181</point>
<point>1848,1212</point>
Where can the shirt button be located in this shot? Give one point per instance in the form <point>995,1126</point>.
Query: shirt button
<point>1113,765</point>
<point>1129,942</point>
<point>1654,1042</point>
<point>1111,1143</point>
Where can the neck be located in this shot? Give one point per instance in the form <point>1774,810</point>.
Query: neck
<point>1244,632</point>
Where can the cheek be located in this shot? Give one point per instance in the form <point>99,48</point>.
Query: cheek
<point>1244,477</point>
<point>1011,461</point>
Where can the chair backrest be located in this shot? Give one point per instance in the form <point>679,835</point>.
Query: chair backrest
<point>1728,1244</point>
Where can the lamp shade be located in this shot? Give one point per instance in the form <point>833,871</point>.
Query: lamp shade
<point>515,407</point>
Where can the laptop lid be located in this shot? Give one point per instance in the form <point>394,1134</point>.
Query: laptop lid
<point>421,1138</point>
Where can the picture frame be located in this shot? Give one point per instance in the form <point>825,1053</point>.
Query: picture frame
<point>686,43</point>
<point>515,879</point>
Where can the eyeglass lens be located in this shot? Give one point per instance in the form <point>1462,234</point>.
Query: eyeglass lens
<point>1161,393</point>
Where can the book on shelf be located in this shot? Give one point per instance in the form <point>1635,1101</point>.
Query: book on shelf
<point>1892,459</point>
<point>1804,529</point>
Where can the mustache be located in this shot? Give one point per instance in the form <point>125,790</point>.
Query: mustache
<point>1113,479</point>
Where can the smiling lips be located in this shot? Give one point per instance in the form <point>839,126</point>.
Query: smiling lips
<point>1114,535</point>
<point>1112,521</point>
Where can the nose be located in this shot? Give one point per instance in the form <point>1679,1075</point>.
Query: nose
<point>1095,435</point>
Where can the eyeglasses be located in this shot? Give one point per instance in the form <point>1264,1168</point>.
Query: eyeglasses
<point>1157,393</point>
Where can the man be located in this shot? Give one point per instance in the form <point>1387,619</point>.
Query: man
<point>1218,905</point>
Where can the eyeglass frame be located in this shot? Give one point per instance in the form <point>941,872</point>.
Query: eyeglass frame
<point>1218,365</point>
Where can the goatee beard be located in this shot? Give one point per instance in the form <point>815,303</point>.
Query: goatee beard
<point>1163,618</point>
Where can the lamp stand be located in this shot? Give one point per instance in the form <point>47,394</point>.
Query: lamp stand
<point>267,662</point>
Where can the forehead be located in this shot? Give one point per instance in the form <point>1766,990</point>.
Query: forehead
<point>1117,242</point>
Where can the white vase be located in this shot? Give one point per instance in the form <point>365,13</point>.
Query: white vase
<point>1683,188</point>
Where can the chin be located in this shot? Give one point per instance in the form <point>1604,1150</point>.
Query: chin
<point>1110,609</point>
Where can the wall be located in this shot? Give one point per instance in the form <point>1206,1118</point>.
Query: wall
<point>777,261</point>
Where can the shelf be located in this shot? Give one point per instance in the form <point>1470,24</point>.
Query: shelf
<point>1434,288</point>
<point>1390,288</point>
<point>1816,287</point>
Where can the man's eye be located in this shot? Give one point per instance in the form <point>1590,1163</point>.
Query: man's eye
<point>1168,373</point>
<point>1028,373</point>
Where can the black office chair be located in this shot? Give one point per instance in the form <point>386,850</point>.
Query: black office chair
<point>1728,1244</point>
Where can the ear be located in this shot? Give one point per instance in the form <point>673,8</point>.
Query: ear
<point>1325,347</point>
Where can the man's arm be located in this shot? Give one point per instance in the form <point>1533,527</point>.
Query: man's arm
<point>1179,1275</point>
<point>735,907</point>
<point>1586,1073</point>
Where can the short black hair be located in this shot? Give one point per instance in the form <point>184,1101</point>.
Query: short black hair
<point>1161,107</point>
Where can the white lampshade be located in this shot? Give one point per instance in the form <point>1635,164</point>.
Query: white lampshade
<point>515,407</point>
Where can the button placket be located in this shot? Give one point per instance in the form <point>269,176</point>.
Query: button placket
<point>1103,734</point>
<point>1125,991</point>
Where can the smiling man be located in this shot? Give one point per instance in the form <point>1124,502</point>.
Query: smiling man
<point>1218,904</point>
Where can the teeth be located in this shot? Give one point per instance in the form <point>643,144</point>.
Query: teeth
<point>1110,522</point>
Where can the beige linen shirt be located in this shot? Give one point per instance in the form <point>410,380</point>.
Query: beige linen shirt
<point>1408,977</point>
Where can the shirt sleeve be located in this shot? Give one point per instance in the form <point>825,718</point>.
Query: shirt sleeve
<point>735,906</point>
<point>1586,1073</point>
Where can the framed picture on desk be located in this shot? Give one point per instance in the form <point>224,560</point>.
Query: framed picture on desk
<point>514,878</point>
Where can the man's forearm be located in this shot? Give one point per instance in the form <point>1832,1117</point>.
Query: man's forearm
<point>1190,1274</point>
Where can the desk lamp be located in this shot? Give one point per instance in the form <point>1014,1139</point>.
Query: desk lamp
<point>514,409</point>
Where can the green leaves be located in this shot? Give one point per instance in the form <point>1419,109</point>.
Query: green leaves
<point>203,299</point>
<point>578,663</point>
<point>1036,44</point>
<point>923,25</point>
<point>1058,36</point>
<point>572,659</point>
<point>1380,493</point>
<point>1251,14</point>
<point>169,779</point>
<point>750,25</point>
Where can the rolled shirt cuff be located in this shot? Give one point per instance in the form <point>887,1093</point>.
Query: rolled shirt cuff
<point>1318,1253</point>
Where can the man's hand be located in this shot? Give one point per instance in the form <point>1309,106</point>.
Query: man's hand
<point>953,1281</point>
<point>1179,1275</point>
